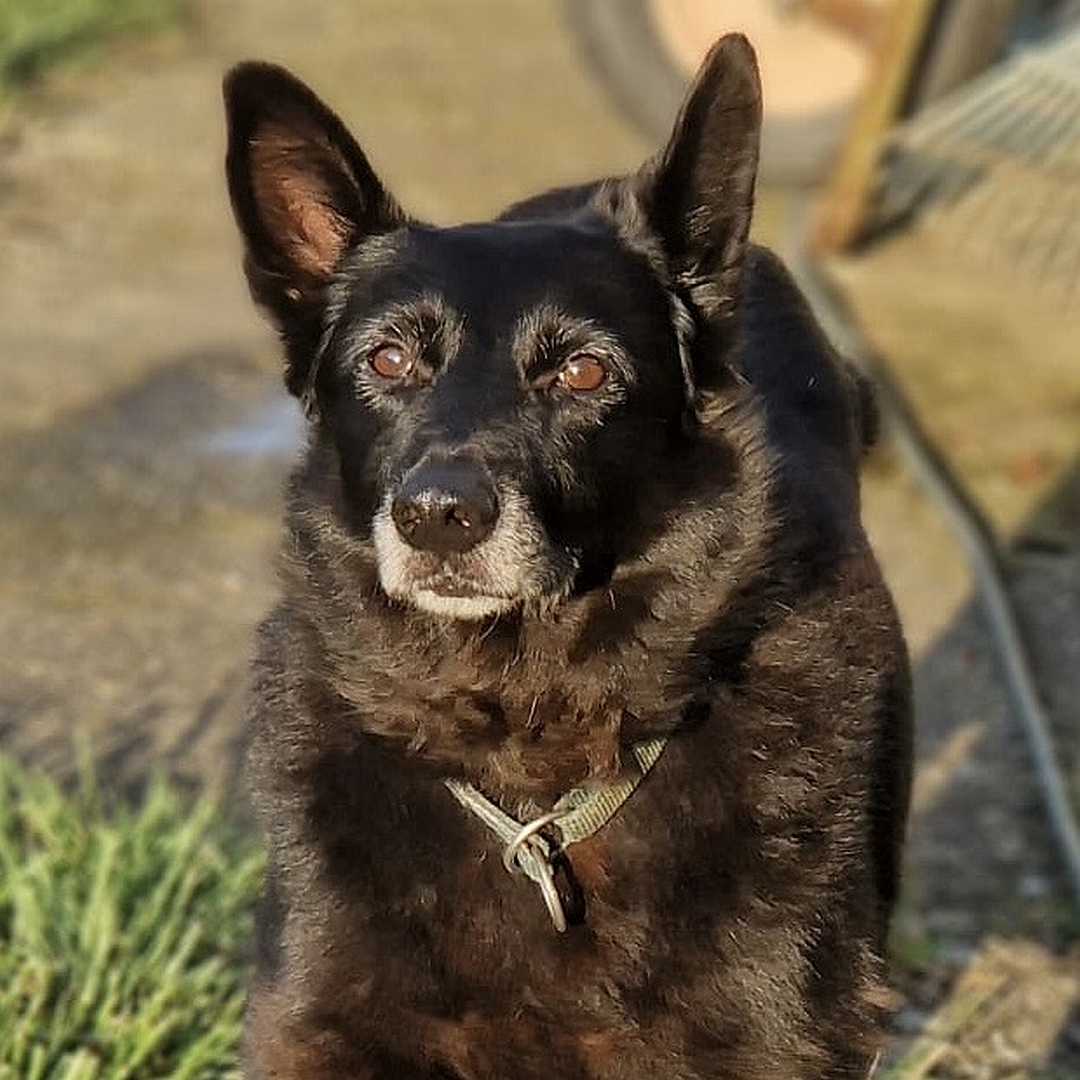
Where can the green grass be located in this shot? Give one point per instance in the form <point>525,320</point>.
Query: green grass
<point>123,933</point>
<point>38,34</point>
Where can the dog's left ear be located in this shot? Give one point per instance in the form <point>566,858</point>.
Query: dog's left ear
<point>697,195</point>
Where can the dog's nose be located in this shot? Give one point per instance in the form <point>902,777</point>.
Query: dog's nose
<point>445,506</point>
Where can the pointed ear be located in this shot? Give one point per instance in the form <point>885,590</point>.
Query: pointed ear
<point>302,191</point>
<point>698,194</point>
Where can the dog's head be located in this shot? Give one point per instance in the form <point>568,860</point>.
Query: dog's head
<point>499,400</point>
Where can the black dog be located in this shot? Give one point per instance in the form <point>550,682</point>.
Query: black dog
<point>577,527</point>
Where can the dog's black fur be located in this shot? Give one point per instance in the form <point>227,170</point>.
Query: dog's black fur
<point>575,477</point>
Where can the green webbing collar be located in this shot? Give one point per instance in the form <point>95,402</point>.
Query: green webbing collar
<point>578,814</point>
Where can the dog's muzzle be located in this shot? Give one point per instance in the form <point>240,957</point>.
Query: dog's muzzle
<point>453,541</point>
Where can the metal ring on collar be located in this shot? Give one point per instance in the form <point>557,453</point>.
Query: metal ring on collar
<point>526,833</point>
<point>526,842</point>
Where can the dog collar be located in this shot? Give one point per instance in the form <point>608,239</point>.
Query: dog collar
<point>577,815</point>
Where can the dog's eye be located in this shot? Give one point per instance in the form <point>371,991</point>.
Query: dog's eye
<point>582,373</point>
<point>391,361</point>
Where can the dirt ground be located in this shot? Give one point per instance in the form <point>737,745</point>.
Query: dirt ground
<point>144,434</point>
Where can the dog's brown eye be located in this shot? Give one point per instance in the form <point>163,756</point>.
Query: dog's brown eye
<point>391,361</point>
<point>582,372</point>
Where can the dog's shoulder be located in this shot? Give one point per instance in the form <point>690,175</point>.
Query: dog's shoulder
<point>784,353</point>
<point>818,410</point>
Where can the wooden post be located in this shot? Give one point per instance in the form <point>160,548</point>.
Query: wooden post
<point>926,49</point>
<point>841,213</point>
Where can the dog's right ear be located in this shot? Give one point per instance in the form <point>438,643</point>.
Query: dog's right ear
<point>303,194</point>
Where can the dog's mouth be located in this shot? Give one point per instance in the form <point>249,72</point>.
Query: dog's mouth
<point>460,587</point>
<point>448,592</point>
<point>459,605</point>
<point>450,584</point>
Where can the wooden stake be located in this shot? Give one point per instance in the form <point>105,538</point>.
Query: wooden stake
<point>842,212</point>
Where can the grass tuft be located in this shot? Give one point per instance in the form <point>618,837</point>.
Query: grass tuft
<point>38,34</point>
<point>123,933</point>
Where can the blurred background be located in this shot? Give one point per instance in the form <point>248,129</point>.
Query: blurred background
<point>921,170</point>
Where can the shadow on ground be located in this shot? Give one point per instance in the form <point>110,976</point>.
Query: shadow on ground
<point>987,895</point>
<point>138,550</point>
